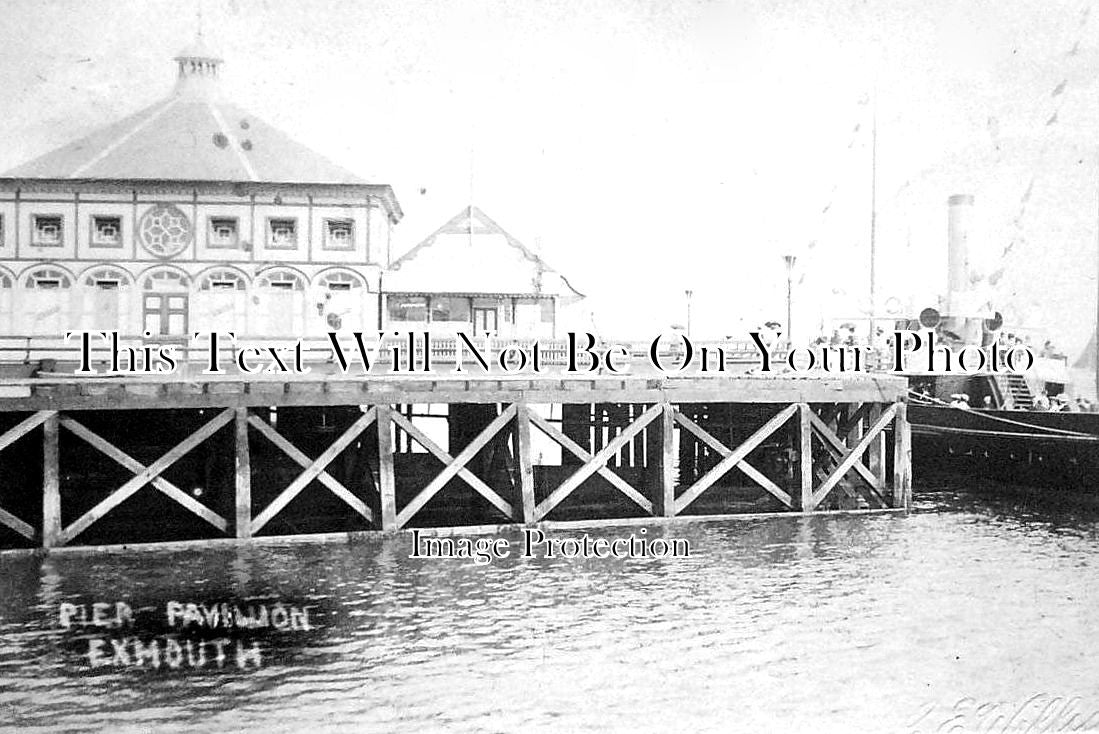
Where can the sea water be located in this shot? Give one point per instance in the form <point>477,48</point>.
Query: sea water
<point>973,613</point>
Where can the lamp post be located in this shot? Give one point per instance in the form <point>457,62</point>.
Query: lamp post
<point>790,260</point>
<point>688,293</point>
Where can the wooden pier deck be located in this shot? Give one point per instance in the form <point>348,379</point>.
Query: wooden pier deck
<point>105,460</point>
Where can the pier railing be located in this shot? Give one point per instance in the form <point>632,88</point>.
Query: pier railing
<point>47,352</point>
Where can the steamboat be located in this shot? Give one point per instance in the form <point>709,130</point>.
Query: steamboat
<point>1014,428</point>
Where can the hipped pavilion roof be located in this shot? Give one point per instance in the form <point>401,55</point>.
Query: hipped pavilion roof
<point>195,134</point>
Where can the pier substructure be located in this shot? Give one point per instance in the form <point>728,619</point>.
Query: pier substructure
<point>98,461</point>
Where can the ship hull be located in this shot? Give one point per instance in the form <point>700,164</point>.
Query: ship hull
<point>1025,448</point>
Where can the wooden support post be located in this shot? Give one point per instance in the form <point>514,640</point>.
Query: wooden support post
<point>526,463</point>
<point>576,423</point>
<point>664,498</point>
<point>805,456</point>
<point>52,532</point>
<point>876,452</point>
<point>852,424</point>
<point>243,476</point>
<point>387,483</point>
<point>902,458</point>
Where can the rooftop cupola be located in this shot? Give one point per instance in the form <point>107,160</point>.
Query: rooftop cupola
<point>199,68</point>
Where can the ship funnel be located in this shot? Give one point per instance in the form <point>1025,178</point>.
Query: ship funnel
<point>965,315</point>
<point>959,287</point>
<point>959,208</point>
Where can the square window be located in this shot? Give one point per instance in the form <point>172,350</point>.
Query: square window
<point>282,234</point>
<point>224,232</point>
<point>447,308</point>
<point>339,234</point>
<point>407,308</point>
<point>106,232</point>
<point>47,231</point>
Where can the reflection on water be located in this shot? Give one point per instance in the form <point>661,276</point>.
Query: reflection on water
<point>839,623</point>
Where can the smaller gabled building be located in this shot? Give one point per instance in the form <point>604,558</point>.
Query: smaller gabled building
<point>471,275</point>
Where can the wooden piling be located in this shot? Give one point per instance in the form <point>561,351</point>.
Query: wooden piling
<point>876,452</point>
<point>902,458</point>
<point>387,485</point>
<point>526,465</point>
<point>243,474</point>
<point>805,456</point>
<point>664,501</point>
<point>52,531</point>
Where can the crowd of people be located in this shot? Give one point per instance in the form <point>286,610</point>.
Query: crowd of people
<point>1043,401</point>
<point>1062,402</point>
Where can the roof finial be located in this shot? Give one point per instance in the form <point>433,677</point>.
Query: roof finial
<point>198,65</point>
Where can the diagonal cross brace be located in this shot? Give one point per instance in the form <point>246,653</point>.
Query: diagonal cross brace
<point>136,467</point>
<point>10,436</point>
<point>757,476</point>
<point>851,460</point>
<point>736,457</point>
<point>599,460</point>
<point>155,469</point>
<point>604,471</point>
<point>455,466</point>
<point>838,451</point>
<point>313,469</point>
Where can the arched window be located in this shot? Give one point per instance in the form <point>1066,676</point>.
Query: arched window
<point>48,279</point>
<point>281,279</point>
<point>46,302</point>
<point>107,278</point>
<point>279,303</point>
<point>7,298</point>
<point>167,279</point>
<point>340,280</point>
<point>223,280</point>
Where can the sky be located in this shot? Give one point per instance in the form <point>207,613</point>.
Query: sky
<point>651,147</point>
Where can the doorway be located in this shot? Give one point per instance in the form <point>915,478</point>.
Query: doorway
<point>484,319</point>
<point>165,314</point>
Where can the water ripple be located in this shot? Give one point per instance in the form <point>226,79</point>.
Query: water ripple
<point>831,623</point>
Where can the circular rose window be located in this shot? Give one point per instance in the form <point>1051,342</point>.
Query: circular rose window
<point>164,230</point>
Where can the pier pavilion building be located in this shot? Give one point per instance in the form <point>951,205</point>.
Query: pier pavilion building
<point>191,215</point>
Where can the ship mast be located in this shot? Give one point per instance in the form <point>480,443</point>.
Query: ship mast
<point>873,212</point>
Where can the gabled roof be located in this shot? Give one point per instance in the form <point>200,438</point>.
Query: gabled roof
<point>469,221</point>
<point>486,267</point>
<point>193,135</point>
